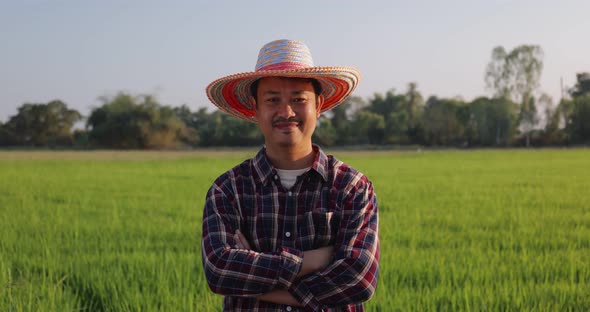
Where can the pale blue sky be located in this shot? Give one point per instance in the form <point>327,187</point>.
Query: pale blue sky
<point>77,51</point>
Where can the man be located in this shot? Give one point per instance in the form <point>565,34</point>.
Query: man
<point>292,228</point>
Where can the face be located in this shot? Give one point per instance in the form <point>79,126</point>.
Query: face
<point>286,111</point>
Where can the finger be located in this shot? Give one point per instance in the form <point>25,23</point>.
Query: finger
<point>238,242</point>
<point>243,240</point>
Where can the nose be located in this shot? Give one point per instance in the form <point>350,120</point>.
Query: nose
<point>285,110</point>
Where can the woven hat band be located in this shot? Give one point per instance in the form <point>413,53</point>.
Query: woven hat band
<point>283,66</point>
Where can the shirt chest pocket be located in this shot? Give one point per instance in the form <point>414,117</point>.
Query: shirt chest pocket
<point>321,227</point>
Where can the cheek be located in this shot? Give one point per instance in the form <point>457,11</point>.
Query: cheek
<point>263,113</point>
<point>313,112</point>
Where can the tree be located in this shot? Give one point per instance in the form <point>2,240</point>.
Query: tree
<point>41,124</point>
<point>441,123</point>
<point>369,127</point>
<point>396,128</point>
<point>579,126</point>
<point>188,134</point>
<point>528,118</point>
<point>221,129</point>
<point>414,102</point>
<point>582,86</point>
<point>401,114</point>
<point>325,133</point>
<point>553,133</point>
<point>516,76</point>
<point>7,137</point>
<point>238,132</point>
<point>336,129</point>
<point>414,107</point>
<point>490,122</point>
<point>125,121</point>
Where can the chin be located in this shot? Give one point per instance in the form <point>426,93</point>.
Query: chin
<point>286,143</point>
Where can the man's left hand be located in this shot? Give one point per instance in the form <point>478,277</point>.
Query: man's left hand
<point>241,241</point>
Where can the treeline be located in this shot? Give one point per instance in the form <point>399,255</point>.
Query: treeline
<point>140,122</point>
<point>513,116</point>
<point>406,119</point>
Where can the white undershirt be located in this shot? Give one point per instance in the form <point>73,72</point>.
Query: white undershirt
<point>288,177</point>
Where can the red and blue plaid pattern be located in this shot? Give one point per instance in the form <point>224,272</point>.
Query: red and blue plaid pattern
<point>331,204</point>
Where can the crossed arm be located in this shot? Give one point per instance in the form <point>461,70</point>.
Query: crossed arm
<point>313,260</point>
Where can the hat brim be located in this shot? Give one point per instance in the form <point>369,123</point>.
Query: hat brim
<point>231,93</point>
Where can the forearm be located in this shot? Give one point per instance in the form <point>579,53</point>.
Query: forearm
<point>313,260</point>
<point>346,281</point>
<point>236,272</point>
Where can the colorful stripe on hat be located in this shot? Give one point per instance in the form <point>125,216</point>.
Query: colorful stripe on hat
<point>282,58</point>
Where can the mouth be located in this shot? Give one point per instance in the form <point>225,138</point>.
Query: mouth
<point>285,125</point>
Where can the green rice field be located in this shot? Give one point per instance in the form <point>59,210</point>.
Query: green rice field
<point>483,230</point>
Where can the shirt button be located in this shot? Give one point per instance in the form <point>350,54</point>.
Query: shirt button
<point>288,234</point>
<point>289,308</point>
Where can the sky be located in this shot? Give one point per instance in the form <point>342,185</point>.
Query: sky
<point>79,51</point>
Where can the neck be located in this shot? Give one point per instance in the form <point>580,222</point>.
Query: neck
<point>290,158</point>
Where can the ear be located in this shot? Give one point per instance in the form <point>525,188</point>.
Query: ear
<point>252,102</point>
<point>319,105</point>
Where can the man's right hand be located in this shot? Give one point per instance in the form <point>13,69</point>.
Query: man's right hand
<point>315,260</point>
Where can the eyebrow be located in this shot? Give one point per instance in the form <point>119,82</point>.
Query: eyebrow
<point>271,92</point>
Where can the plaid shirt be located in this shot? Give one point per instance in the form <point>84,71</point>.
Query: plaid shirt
<point>331,204</point>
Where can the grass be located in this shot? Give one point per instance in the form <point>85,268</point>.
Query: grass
<point>490,230</point>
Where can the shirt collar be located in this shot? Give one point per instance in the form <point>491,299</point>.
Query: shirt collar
<point>266,171</point>
<point>320,164</point>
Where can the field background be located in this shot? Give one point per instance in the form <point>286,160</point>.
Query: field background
<point>491,230</point>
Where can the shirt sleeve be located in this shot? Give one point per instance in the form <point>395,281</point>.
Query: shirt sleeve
<point>240,272</point>
<point>352,275</point>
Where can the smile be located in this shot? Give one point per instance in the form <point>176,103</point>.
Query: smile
<point>285,125</point>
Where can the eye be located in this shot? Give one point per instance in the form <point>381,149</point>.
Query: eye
<point>299,100</point>
<point>272,100</point>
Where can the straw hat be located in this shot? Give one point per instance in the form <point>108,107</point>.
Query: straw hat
<point>282,58</point>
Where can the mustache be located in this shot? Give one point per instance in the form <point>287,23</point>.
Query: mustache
<point>281,119</point>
